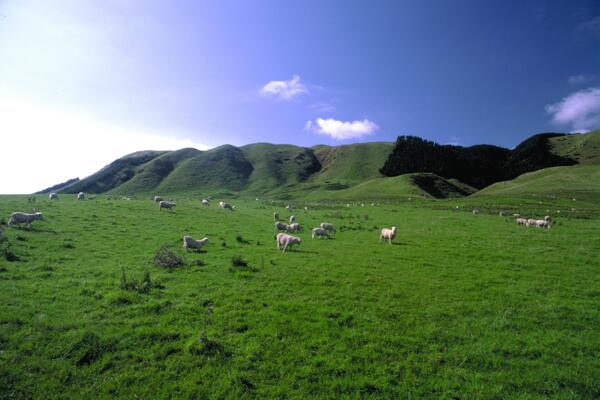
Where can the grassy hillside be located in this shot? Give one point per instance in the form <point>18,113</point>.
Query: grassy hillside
<point>114,174</point>
<point>150,175</point>
<point>584,148</point>
<point>278,165</point>
<point>576,181</point>
<point>454,309</point>
<point>221,168</point>
<point>351,163</point>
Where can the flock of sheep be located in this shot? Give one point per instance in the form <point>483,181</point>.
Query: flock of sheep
<point>284,239</point>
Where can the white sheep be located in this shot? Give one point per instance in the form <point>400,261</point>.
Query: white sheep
<point>328,227</point>
<point>305,209</point>
<point>319,232</point>
<point>285,240</point>
<point>542,223</point>
<point>388,234</point>
<point>280,226</point>
<point>166,204</point>
<point>206,202</point>
<point>521,221</point>
<point>24,218</point>
<point>276,216</point>
<point>53,196</point>
<point>158,199</point>
<point>226,206</point>
<point>190,243</point>
<point>292,219</point>
<point>515,215</point>
<point>475,211</point>
<point>80,196</point>
<point>530,221</point>
<point>295,227</point>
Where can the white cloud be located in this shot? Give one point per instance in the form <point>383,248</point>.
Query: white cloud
<point>579,110</point>
<point>43,146</point>
<point>341,130</point>
<point>284,90</point>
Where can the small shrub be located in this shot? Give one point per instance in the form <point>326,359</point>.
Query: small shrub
<point>238,261</point>
<point>6,252</point>
<point>166,258</point>
<point>198,263</point>
<point>240,239</point>
<point>143,286</point>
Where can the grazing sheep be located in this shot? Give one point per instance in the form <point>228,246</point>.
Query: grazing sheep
<point>80,196</point>
<point>158,199</point>
<point>276,216</point>
<point>542,223</point>
<point>206,202</point>
<point>295,227</point>
<point>226,205</point>
<point>501,213</point>
<point>547,218</point>
<point>319,232</point>
<point>521,221</point>
<point>517,215</point>
<point>476,211</point>
<point>328,227</point>
<point>53,196</point>
<point>166,204</point>
<point>24,218</point>
<point>190,243</point>
<point>288,207</point>
<point>530,221</point>
<point>285,240</point>
<point>280,226</point>
<point>388,234</point>
<point>292,219</point>
<point>305,209</point>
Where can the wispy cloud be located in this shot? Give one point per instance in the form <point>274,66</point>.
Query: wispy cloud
<point>341,130</point>
<point>322,107</point>
<point>590,26</point>
<point>579,110</point>
<point>284,90</point>
<point>580,79</point>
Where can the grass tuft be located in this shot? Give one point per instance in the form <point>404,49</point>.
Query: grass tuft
<point>166,258</point>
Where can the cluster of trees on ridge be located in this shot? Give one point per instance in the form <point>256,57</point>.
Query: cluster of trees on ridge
<point>478,166</point>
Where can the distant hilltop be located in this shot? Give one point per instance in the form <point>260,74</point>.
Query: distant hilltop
<point>288,171</point>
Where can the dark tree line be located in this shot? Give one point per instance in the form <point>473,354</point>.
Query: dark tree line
<point>478,166</point>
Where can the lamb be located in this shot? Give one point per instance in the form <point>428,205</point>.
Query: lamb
<point>521,221</point>
<point>295,227</point>
<point>226,205</point>
<point>206,202</point>
<point>280,226</point>
<point>327,226</point>
<point>319,232</point>
<point>190,243</point>
<point>24,218</point>
<point>80,196</point>
<point>285,240</point>
<point>292,219</point>
<point>276,216</point>
<point>158,199</point>
<point>53,196</point>
<point>388,234</point>
<point>166,204</point>
<point>530,221</point>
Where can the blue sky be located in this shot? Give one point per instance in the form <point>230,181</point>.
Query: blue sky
<point>90,81</point>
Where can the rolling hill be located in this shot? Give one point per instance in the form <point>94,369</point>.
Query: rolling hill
<point>340,172</point>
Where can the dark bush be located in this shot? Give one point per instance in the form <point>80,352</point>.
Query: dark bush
<point>238,261</point>
<point>166,258</point>
<point>240,239</point>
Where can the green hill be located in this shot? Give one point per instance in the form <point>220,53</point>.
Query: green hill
<point>583,148</point>
<point>351,163</point>
<point>338,172</point>
<point>578,181</point>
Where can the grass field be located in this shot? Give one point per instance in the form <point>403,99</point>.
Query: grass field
<point>460,306</point>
